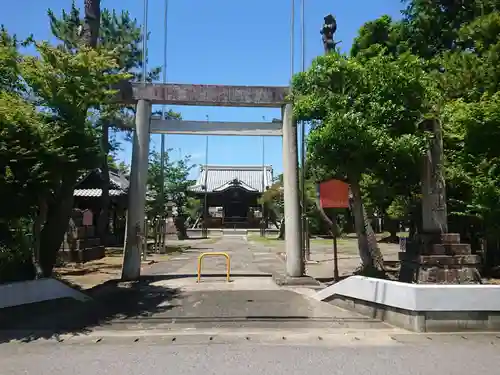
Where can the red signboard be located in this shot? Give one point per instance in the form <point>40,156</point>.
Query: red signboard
<point>334,194</point>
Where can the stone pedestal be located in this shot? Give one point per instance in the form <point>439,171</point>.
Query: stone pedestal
<point>80,242</point>
<point>439,259</point>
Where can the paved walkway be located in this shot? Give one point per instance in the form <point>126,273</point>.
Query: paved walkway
<point>169,300</point>
<point>244,259</point>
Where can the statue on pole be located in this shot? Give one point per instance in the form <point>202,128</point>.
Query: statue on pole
<point>328,31</point>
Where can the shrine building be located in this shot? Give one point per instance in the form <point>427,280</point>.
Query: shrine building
<point>233,194</point>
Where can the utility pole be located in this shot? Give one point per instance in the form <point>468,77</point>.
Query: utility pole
<point>263,221</point>
<point>305,231</point>
<point>205,203</point>
<point>292,39</point>
<point>145,43</point>
<point>163,215</point>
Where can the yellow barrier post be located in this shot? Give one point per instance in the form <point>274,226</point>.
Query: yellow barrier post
<point>225,255</point>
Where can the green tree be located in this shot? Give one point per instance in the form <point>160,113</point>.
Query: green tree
<point>433,26</point>
<point>24,179</point>
<point>122,35</point>
<point>68,86</point>
<point>174,182</point>
<point>366,113</point>
<point>381,35</point>
<point>460,41</point>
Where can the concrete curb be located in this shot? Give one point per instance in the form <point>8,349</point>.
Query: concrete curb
<point>419,307</point>
<point>284,280</point>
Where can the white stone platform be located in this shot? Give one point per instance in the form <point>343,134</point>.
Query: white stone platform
<point>419,307</point>
<point>33,291</point>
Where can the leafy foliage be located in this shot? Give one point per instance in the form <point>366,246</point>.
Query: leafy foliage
<point>366,112</point>
<point>175,185</point>
<point>47,139</point>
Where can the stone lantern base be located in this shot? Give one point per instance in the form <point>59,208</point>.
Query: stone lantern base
<point>439,259</point>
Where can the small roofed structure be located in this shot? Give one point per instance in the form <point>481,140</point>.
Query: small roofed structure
<point>233,194</point>
<point>87,196</point>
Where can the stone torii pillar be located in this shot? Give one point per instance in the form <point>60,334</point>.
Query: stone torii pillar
<point>137,192</point>
<point>293,232</point>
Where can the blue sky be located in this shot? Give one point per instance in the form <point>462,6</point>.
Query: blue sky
<point>244,42</point>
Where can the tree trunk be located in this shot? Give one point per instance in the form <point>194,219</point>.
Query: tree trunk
<point>37,229</point>
<point>369,252</point>
<point>281,235</point>
<point>90,33</point>
<point>58,215</point>
<point>103,220</point>
<point>392,226</point>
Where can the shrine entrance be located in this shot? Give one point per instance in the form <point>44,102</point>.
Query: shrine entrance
<point>236,207</point>
<point>145,95</point>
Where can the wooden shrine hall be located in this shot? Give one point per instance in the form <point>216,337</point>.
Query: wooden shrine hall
<point>233,194</point>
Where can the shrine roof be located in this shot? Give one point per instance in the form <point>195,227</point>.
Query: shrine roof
<point>221,177</point>
<point>89,184</point>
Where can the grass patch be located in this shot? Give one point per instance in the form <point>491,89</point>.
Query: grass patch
<point>329,241</point>
<point>272,241</point>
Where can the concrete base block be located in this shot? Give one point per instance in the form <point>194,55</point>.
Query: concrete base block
<point>417,307</point>
<point>284,280</point>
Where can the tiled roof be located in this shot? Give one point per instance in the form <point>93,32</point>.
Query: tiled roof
<point>118,180</point>
<point>118,185</point>
<point>221,177</point>
<point>97,192</point>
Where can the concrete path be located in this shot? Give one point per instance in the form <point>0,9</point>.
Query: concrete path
<point>169,323</point>
<point>169,300</point>
<point>244,261</point>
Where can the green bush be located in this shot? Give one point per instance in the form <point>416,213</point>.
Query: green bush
<point>15,257</point>
<point>15,266</point>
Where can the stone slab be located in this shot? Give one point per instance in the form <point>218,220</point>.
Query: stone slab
<point>450,249</point>
<point>159,126</point>
<point>441,260</point>
<point>463,274</point>
<point>204,95</point>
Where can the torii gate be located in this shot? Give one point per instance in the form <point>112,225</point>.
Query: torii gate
<point>145,95</point>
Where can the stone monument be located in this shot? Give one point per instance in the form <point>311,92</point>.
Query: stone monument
<point>80,243</point>
<point>436,256</point>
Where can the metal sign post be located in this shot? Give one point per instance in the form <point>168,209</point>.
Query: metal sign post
<point>335,249</point>
<point>332,194</point>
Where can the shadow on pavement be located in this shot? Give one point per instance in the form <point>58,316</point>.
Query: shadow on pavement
<point>111,301</point>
